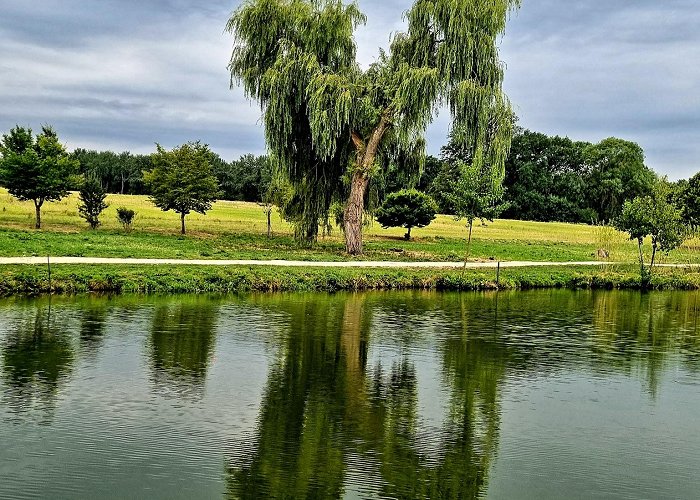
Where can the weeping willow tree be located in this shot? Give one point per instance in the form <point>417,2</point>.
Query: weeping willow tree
<point>330,123</point>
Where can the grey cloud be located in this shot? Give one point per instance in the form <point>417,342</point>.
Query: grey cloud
<point>123,74</point>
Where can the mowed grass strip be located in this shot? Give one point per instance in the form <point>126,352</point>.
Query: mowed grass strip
<point>236,230</point>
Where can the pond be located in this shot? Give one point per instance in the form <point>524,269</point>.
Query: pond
<point>547,394</point>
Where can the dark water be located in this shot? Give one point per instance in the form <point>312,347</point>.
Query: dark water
<point>539,395</point>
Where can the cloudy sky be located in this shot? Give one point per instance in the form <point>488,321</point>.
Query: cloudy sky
<point>124,74</point>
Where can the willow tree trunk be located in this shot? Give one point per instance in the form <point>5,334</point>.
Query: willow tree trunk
<point>354,213</point>
<point>366,152</point>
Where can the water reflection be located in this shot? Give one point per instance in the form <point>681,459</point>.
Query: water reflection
<point>37,358</point>
<point>93,322</point>
<point>397,395</point>
<point>325,411</point>
<point>182,339</point>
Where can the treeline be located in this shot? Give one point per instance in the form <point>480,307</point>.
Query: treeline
<point>246,179</point>
<point>547,178</point>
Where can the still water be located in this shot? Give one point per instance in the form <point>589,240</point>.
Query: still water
<point>553,394</point>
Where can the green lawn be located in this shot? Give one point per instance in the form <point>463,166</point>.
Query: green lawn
<point>234,230</point>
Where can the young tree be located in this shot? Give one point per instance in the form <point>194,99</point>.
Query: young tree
<point>652,216</point>
<point>92,201</point>
<point>182,180</point>
<point>327,120</point>
<point>36,169</point>
<point>477,196</point>
<point>408,208</point>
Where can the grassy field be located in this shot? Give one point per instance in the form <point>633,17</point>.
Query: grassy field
<point>234,230</point>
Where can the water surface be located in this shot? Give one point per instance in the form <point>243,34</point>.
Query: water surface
<point>553,394</point>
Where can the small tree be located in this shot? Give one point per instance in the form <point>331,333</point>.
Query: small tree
<point>655,217</point>
<point>182,180</point>
<point>278,193</point>
<point>38,169</point>
<point>126,217</point>
<point>92,201</point>
<point>477,195</point>
<point>407,208</point>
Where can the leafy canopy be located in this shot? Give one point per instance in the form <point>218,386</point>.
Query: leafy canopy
<point>37,169</point>
<point>323,112</point>
<point>408,208</point>
<point>182,180</point>
<point>653,216</point>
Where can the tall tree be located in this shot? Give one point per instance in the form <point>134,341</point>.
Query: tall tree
<point>182,180</point>
<point>618,174</point>
<point>327,120</point>
<point>36,169</point>
<point>689,201</point>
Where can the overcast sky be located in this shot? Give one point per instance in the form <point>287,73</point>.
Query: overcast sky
<point>124,74</point>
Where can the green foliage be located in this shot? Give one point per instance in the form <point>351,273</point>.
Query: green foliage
<point>547,179</point>
<point>329,122</point>
<point>245,179</point>
<point>117,172</point>
<point>126,217</point>
<point>182,180</point>
<point>38,169</point>
<point>408,208</point>
<point>92,201</point>
<point>689,201</point>
<point>655,217</point>
<point>617,174</point>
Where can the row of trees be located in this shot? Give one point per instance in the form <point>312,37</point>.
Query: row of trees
<point>39,169</point>
<point>245,179</point>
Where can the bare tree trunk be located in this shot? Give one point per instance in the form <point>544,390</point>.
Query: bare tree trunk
<point>182,221</point>
<point>269,223</point>
<point>354,210</point>
<point>37,206</point>
<point>122,187</point>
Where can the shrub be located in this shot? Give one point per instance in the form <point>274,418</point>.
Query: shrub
<point>408,208</point>
<point>126,217</point>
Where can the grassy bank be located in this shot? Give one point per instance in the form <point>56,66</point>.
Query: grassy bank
<point>31,281</point>
<point>235,230</point>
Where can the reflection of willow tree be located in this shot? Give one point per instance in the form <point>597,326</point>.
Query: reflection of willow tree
<point>181,344</point>
<point>323,407</point>
<point>304,410</point>
<point>474,367</point>
<point>37,357</point>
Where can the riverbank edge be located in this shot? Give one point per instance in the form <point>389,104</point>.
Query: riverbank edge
<point>26,280</point>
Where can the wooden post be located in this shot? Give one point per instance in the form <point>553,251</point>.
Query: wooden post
<point>48,263</point>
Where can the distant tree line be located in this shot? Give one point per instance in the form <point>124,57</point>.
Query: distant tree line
<point>246,179</point>
<point>547,178</point>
